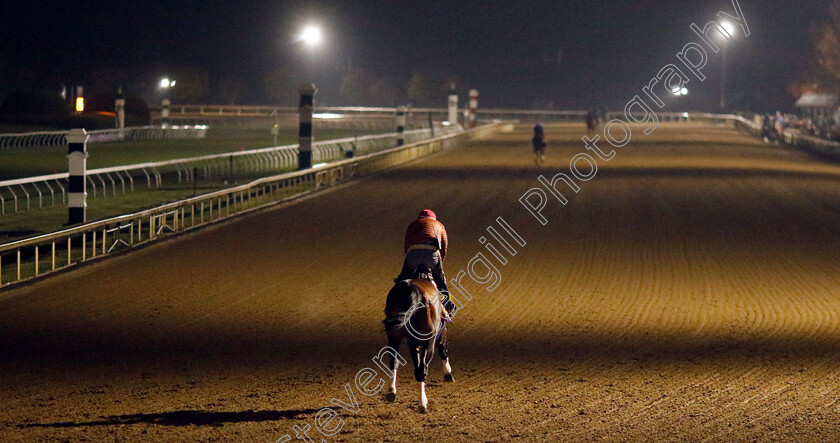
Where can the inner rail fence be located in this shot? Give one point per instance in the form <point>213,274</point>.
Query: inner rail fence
<point>51,190</point>
<point>341,116</point>
<point>815,145</point>
<point>337,114</point>
<point>48,253</point>
<point>56,138</point>
<point>367,119</point>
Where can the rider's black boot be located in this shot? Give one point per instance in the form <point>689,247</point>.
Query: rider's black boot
<point>447,303</point>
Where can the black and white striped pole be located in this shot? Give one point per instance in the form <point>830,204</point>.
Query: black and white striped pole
<point>453,106</point>
<point>400,125</point>
<point>473,107</point>
<point>164,112</point>
<point>77,168</point>
<point>307,95</point>
<point>119,107</point>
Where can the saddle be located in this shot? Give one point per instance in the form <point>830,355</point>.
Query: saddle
<point>423,273</point>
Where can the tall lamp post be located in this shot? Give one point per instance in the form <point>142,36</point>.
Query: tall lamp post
<point>165,84</point>
<point>730,29</point>
<point>310,37</point>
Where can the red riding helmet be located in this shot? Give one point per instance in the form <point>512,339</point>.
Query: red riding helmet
<point>427,213</point>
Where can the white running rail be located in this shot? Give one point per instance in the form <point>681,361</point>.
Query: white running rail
<point>19,194</point>
<point>56,138</point>
<point>35,256</point>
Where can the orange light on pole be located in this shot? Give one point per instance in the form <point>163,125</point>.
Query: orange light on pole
<point>80,104</point>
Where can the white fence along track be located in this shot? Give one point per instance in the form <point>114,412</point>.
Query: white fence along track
<point>24,259</point>
<point>56,138</point>
<point>19,194</point>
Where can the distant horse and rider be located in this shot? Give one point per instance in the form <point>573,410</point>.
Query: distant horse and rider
<point>418,307</point>
<point>538,143</point>
<point>592,122</point>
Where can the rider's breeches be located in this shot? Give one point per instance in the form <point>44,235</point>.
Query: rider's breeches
<point>431,259</point>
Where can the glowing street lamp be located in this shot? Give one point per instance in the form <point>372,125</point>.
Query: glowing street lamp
<point>728,27</point>
<point>311,36</point>
<point>164,85</point>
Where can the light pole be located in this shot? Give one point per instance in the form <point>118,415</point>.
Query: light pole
<point>164,85</point>
<point>310,37</point>
<point>730,29</point>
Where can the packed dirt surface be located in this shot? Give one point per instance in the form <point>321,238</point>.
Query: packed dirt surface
<point>688,292</point>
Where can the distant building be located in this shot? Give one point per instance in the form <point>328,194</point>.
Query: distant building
<point>820,106</point>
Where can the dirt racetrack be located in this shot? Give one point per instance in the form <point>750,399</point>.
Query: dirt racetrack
<point>689,292</point>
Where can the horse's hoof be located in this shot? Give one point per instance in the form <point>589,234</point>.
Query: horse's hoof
<point>424,409</point>
<point>448,377</point>
<point>390,397</point>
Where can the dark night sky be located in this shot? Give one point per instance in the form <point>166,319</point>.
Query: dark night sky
<point>565,54</point>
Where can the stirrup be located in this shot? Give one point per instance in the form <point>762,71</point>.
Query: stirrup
<point>446,316</point>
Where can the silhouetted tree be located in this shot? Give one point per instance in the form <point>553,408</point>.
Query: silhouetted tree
<point>279,86</point>
<point>355,85</point>
<point>361,87</point>
<point>33,106</point>
<point>383,91</point>
<point>422,88</point>
<point>108,79</point>
<point>231,90</point>
<point>827,45</point>
<point>191,85</point>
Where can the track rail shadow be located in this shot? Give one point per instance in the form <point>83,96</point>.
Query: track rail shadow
<point>185,418</point>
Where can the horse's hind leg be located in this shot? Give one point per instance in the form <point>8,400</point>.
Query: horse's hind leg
<point>443,350</point>
<point>391,395</point>
<point>421,368</point>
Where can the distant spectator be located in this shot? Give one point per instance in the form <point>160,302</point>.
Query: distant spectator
<point>780,125</point>
<point>767,128</point>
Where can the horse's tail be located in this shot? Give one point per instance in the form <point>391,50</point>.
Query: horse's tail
<point>420,306</point>
<point>416,306</point>
<point>400,300</point>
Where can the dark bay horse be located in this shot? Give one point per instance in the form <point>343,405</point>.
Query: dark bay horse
<point>414,313</point>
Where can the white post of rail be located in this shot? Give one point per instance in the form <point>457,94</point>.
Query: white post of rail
<point>453,106</point>
<point>275,130</point>
<point>473,107</point>
<point>77,169</point>
<point>119,107</point>
<point>307,94</point>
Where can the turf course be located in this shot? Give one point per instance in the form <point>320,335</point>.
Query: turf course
<point>18,163</point>
<point>29,162</point>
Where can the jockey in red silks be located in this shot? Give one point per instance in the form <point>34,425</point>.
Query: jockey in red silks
<point>426,244</point>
